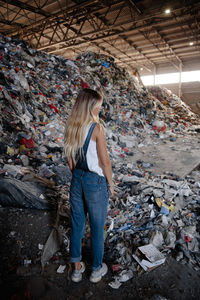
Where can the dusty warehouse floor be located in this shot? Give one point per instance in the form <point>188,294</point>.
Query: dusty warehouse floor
<point>21,232</point>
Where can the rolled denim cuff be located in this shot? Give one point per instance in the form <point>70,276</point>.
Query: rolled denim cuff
<point>75,259</point>
<point>96,268</point>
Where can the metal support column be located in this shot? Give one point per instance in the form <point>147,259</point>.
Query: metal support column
<point>180,81</point>
<point>154,75</point>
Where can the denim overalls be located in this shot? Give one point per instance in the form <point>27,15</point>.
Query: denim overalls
<point>88,193</point>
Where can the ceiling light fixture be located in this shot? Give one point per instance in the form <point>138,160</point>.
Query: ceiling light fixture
<point>167,11</point>
<point>141,69</point>
<point>191,43</point>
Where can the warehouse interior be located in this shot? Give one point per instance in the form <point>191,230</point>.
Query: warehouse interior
<point>155,38</point>
<point>48,50</point>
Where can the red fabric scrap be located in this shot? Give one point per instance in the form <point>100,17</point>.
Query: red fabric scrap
<point>187,238</point>
<point>51,106</point>
<point>116,268</point>
<point>32,73</point>
<point>27,143</point>
<point>84,85</point>
<point>162,128</point>
<point>159,129</point>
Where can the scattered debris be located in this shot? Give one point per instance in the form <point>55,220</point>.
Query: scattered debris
<point>37,91</point>
<point>153,257</point>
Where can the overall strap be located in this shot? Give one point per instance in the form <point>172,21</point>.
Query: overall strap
<point>82,162</point>
<point>85,146</point>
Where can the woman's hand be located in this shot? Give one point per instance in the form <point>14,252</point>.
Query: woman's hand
<point>111,189</point>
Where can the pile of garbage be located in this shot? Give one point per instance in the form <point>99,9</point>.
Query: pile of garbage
<point>37,91</point>
<point>170,100</point>
<point>162,211</point>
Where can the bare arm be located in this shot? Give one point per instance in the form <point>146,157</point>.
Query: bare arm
<point>104,160</point>
<point>70,164</point>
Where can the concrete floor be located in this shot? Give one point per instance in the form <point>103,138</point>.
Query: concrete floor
<point>179,157</point>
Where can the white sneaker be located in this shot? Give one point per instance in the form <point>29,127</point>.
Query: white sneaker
<point>77,274</point>
<point>97,275</point>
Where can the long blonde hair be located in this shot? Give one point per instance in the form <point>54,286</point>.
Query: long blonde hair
<point>81,116</point>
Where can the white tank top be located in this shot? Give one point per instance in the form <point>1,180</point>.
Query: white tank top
<point>92,156</point>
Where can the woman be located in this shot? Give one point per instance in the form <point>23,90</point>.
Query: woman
<point>87,156</point>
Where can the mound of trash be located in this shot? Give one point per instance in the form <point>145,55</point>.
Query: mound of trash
<point>37,91</point>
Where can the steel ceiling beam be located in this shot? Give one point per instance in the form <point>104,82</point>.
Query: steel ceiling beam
<point>98,46</point>
<point>138,11</point>
<point>61,30</point>
<point>110,54</point>
<point>72,11</point>
<point>130,43</point>
<point>168,46</point>
<point>98,32</point>
<point>160,36</point>
<point>160,58</point>
<point>28,7</point>
<point>76,43</point>
<point>105,22</point>
<point>124,38</point>
<point>161,51</point>
<point>171,39</point>
<point>115,34</point>
<point>62,16</point>
<point>10,23</point>
<point>89,34</point>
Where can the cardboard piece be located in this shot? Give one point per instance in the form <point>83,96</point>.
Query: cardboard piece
<point>149,257</point>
